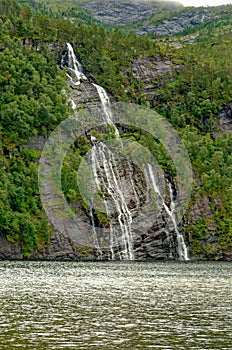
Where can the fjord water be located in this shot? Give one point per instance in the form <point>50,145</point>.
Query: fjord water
<point>115,305</point>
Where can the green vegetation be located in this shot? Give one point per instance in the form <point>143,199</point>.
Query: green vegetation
<point>69,9</point>
<point>220,23</point>
<point>32,102</point>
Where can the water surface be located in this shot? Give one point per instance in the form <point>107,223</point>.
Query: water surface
<point>115,305</point>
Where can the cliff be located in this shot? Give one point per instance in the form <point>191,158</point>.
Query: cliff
<point>176,24</point>
<point>186,85</point>
<point>169,18</point>
<point>151,240</point>
<point>125,12</point>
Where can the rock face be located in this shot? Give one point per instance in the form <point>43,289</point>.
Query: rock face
<point>9,250</point>
<point>176,24</point>
<point>120,12</point>
<point>152,72</point>
<point>225,119</point>
<point>201,208</point>
<point>153,239</point>
<point>123,12</point>
<point>150,237</point>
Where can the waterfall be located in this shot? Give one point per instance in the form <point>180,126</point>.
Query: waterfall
<point>73,104</point>
<point>74,66</point>
<point>69,99</point>
<point>121,239</point>
<point>109,184</point>
<point>96,242</point>
<point>106,106</point>
<point>113,186</point>
<point>120,230</point>
<point>181,246</point>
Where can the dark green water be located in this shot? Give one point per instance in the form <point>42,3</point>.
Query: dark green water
<point>115,305</point>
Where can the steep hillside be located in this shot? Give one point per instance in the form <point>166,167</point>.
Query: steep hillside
<point>189,85</point>
<point>157,18</point>
<point>125,12</point>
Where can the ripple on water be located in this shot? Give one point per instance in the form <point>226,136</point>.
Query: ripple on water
<point>115,305</point>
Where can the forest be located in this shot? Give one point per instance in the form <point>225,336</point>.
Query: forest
<point>32,102</point>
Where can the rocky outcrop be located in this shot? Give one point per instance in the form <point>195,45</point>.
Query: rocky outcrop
<point>124,12</point>
<point>201,209</point>
<point>60,247</point>
<point>152,73</point>
<point>37,142</point>
<point>176,24</point>
<point>225,120</point>
<point>9,250</point>
<point>208,245</point>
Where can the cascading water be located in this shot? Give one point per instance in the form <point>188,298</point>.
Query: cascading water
<point>104,167</point>
<point>96,242</point>
<point>202,19</point>
<point>106,106</point>
<point>74,66</point>
<point>120,230</point>
<point>122,240</point>
<point>181,246</point>
<point>74,106</point>
<point>107,177</point>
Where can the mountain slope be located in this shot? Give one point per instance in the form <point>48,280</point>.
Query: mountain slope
<point>190,86</point>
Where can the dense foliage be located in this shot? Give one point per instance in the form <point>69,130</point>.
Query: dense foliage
<point>192,102</point>
<point>33,102</point>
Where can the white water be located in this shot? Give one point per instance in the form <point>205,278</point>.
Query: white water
<point>122,241</point>
<point>74,66</point>
<point>74,106</point>
<point>120,237</point>
<point>113,186</point>
<point>106,106</point>
<point>95,166</point>
<point>49,305</point>
<point>181,246</point>
<point>96,242</point>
